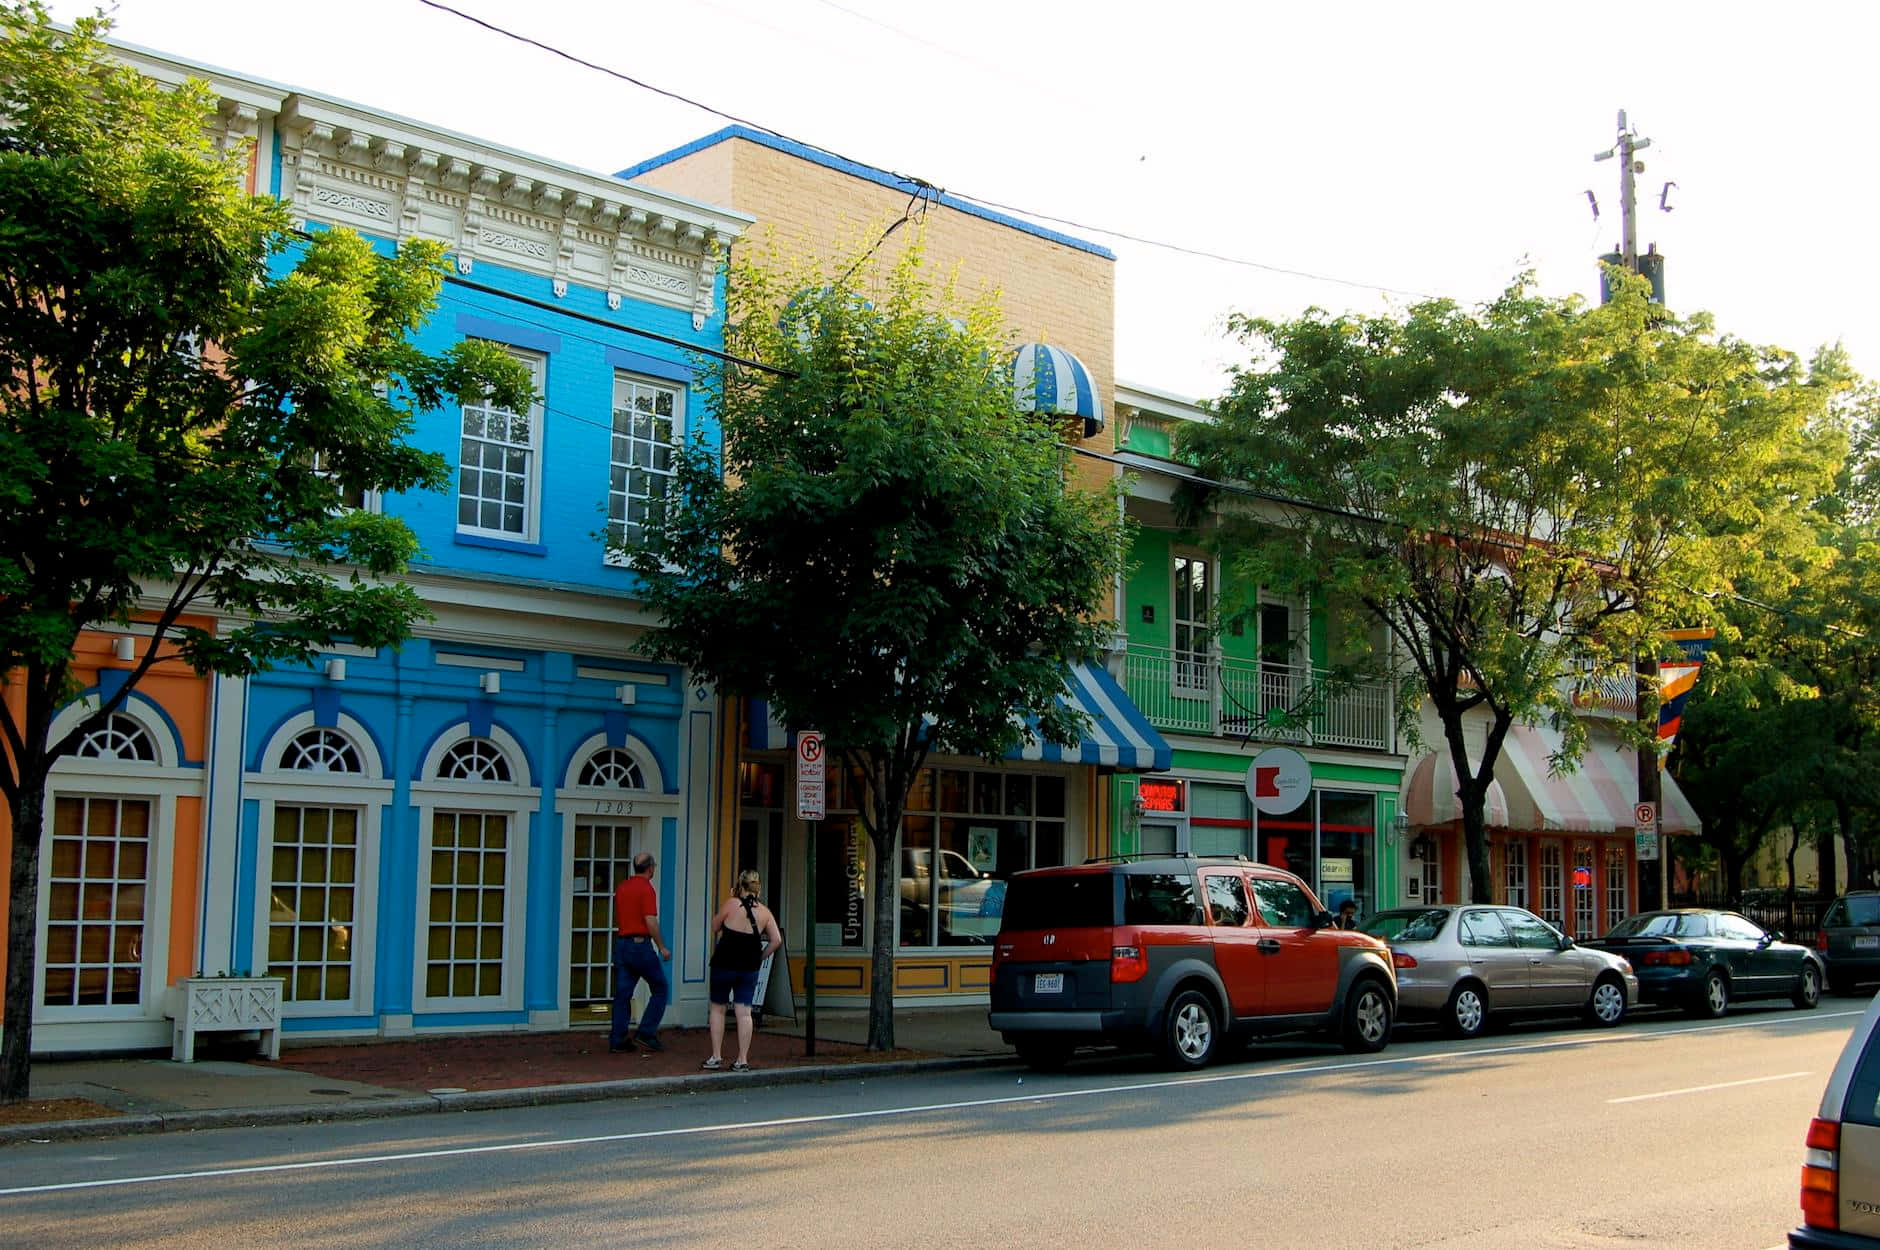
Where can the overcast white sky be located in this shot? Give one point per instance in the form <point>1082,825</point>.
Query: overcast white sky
<point>1434,148</point>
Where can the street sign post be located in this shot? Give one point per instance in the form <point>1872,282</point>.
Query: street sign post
<point>1645,829</point>
<point>810,802</point>
<point>810,790</point>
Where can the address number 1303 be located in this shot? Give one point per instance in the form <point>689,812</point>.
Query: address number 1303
<point>613,807</point>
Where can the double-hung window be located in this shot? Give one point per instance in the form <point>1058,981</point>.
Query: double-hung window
<point>500,465</point>
<point>649,419</point>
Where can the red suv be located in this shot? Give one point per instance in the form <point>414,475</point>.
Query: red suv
<point>1180,954</point>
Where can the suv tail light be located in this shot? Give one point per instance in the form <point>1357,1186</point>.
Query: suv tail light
<point>1821,939</point>
<point>1402,959</point>
<point>1127,964</point>
<point>1673,958</point>
<point>1821,1177</point>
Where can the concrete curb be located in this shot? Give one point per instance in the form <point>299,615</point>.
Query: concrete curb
<point>482,1100</point>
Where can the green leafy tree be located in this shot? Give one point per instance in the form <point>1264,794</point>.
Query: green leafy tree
<point>1523,496</point>
<point>1750,757</point>
<point>181,422</point>
<point>888,550</point>
<point>1813,619</point>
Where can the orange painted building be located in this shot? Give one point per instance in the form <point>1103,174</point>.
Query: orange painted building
<point>122,850</point>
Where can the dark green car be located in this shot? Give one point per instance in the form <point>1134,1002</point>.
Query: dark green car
<point>1704,960</point>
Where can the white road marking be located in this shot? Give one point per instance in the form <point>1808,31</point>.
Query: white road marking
<point>1704,1089</point>
<point>1263,1074</point>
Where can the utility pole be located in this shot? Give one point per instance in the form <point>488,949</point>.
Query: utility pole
<point>1627,149</point>
<point>1645,688</point>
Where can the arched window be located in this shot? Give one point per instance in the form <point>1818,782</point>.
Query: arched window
<point>119,738</point>
<point>321,751</point>
<point>613,768</point>
<point>474,759</point>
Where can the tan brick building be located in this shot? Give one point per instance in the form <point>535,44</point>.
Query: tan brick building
<point>1052,288</point>
<point>968,826</point>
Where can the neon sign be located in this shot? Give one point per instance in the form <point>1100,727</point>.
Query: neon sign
<point>1162,796</point>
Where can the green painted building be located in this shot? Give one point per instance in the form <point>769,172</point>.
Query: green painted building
<point>1231,676</point>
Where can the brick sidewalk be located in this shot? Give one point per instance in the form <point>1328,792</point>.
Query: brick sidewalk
<point>517,1060</point>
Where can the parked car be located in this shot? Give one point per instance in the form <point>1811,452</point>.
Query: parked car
<point>1849,940</point>
<point>1458,963</point>
<point>1704,960</point>
<point>1841,1161</point>
<point>1180,954</point>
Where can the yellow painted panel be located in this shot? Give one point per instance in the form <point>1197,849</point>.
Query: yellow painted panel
<point>922,976</point>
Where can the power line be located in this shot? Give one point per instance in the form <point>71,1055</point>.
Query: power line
<point>919,183</point>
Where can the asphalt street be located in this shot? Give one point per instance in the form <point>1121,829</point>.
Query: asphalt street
<point>1665,1132</point>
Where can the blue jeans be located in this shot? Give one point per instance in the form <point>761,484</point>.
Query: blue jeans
<point>636,958</point>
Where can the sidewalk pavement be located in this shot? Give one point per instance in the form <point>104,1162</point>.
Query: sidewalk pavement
<point>404,1076</point>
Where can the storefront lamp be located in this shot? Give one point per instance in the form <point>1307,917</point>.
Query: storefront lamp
<point>1399,827</point>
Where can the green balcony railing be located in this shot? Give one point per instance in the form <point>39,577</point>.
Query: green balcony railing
<point>1202,693</point>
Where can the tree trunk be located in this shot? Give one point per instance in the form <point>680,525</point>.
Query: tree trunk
<point>1828,874</point>
<point>885,841</point>
<point>1733,874</point>
<point>1475,839</point>
<point>16,1048</point>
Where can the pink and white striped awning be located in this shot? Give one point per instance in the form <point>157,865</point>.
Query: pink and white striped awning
<point>1597,797</point>
<point>1429,794</point>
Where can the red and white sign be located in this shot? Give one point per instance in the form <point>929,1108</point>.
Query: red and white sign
<point>1159,795</point>
<point>810,793</point>
<point>1645,818</point>
<point>1279,780</point>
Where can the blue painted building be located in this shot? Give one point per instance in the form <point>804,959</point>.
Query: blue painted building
<point>428,837</point>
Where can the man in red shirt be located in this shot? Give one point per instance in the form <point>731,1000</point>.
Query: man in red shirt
<point>638,953</point>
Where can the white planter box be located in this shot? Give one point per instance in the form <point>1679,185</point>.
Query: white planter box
<point>223,1005</point>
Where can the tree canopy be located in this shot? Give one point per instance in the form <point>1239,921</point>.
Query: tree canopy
<point>885,548</point>
<point>195,392</point>
<point>1524,495</point>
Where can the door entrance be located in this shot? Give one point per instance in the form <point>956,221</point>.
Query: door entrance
<point>603,857</point>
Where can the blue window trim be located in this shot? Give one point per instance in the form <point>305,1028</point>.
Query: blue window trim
<point>472,326</point>
<point>500,544</point>
<point>650,366</point>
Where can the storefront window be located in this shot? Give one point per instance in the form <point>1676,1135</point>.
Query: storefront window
<point>1347,842</point>
<point>1286,839</point>
<point>1330,841</point>
<point>965,833</point>
<point>1219,824</point>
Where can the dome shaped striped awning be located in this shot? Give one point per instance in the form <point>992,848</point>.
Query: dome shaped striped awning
<point>1051,382</point>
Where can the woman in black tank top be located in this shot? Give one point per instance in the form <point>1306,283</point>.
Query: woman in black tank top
<point>744,932</point>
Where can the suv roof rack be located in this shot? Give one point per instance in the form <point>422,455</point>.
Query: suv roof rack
<point>1138,856</point>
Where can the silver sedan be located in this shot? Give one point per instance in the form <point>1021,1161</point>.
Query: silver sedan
<point>1458,962</point>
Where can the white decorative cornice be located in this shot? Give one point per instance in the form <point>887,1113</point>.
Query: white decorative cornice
<point>344,165</point>
<point>397,178</point>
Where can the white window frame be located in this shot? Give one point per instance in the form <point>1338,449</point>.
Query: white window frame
<point>160,784</point>
<point>537,364</point>
<point>1187,680</point>
<point>1556,886</point>
<point>1515,873</point>
<point>1586,856</point>
<point>1617,887</point>
<point>369,793</point>
<point>650,805</point>
<point>617,524</point>
<point>516,799</point>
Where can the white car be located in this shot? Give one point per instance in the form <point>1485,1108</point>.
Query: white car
<point>1841,1166</point>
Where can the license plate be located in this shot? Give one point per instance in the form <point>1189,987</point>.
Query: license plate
<point>1048,983</point>
<point>1865,943</point>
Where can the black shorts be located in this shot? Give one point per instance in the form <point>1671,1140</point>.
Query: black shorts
<point>733,987</point>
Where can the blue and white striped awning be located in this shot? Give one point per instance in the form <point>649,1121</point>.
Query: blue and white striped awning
<point>1051,382</point>
<point>1118,736</point>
